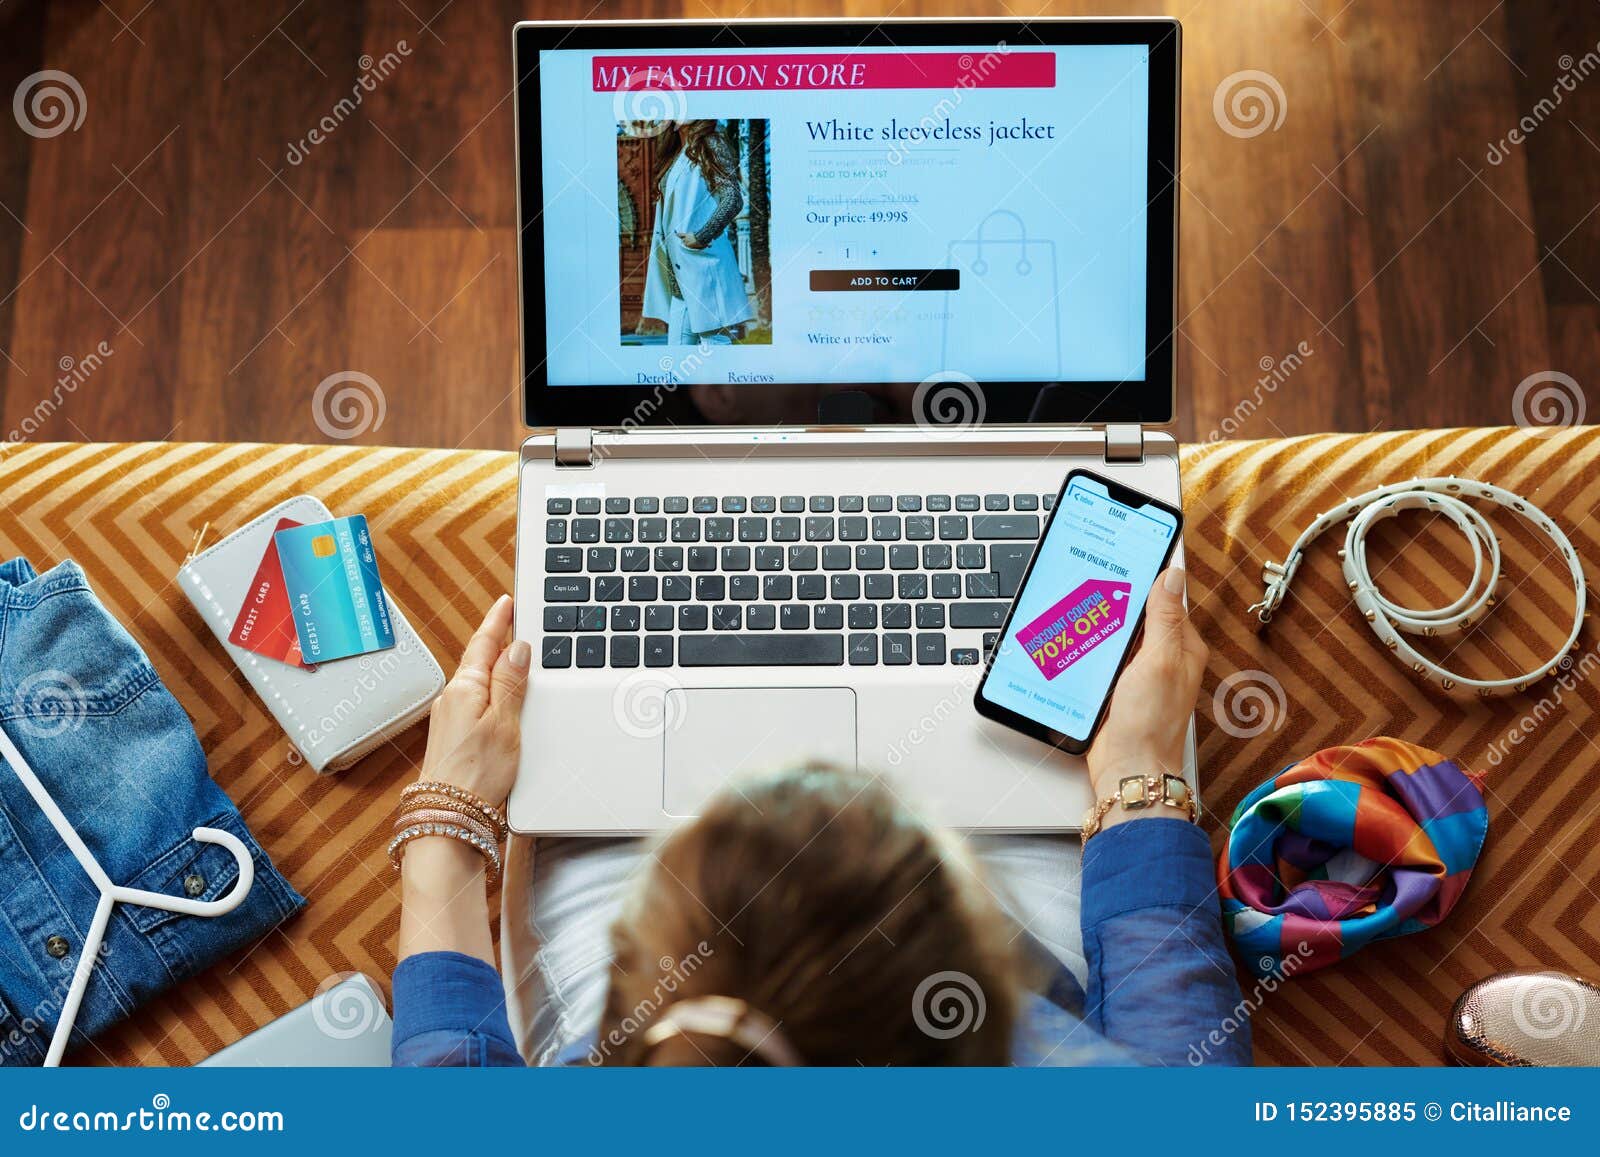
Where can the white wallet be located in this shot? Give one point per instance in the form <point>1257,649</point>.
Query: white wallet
<point>340,711</point>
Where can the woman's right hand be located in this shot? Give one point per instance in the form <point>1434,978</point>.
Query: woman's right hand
<point>474,737</point>
<point>475,733</point>
<point>1148,722</point>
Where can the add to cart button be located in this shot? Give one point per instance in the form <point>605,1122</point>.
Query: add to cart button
<point>883,280</point>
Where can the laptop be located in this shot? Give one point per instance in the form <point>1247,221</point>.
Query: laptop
<point>345,1025</point>
<point>816,317</point>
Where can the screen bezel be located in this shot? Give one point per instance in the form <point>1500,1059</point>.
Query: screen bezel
<point>1127,496</point>
<point>1150,400</point>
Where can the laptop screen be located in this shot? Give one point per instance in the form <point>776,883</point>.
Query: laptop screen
<point>789,232</point>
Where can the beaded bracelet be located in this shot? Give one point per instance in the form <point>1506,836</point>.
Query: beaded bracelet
<point>487,848</point>
<point>495,816</point>
<point>438,815</point>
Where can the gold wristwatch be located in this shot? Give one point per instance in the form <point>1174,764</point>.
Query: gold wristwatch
<point>1136,792</point>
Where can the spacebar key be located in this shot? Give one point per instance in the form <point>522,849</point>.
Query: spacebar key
<point>723,650</point>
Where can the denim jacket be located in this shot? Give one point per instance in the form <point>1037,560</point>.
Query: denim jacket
<point>117,753</point>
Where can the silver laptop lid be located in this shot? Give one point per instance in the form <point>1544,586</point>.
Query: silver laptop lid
<point>841,223</point>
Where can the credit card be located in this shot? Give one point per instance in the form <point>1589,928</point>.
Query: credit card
<point>330,575</point>
<point>265,624</point>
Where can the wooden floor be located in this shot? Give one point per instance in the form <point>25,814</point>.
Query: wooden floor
<point>1426,274</point>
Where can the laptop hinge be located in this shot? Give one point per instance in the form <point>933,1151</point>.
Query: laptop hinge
<point>1124,442</point>
<point>574,446</point>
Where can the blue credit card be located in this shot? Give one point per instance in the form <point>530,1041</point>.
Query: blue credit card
<point>330,574</point>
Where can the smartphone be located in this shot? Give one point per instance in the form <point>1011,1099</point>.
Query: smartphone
<point>1078,611</point>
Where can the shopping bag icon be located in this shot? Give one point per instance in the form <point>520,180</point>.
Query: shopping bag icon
<point>1004,322</point>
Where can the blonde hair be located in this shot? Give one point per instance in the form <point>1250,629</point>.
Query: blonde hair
<point>824,905</point>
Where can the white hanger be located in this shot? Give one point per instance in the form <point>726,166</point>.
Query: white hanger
<point>113,894</point>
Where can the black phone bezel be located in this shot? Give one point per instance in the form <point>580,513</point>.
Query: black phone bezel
<point>1128,496</point>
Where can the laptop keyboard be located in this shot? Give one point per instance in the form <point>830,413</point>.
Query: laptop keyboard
<point>797,580</point>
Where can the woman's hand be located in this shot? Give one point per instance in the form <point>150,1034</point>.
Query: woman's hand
<point>691,242</point>
<point>475,733</point>
<point>1147,724</point>
<point>473,740</point>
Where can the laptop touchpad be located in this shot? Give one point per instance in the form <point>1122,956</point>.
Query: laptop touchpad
<point>716,734</point>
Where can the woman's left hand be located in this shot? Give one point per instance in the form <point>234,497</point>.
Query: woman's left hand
<point>690,241</point>
<point>475,733</point>
<point>1148,723</point>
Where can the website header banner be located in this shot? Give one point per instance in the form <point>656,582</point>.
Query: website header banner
<point>749,72</point>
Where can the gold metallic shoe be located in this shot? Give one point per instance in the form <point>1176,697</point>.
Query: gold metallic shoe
<point>1526,1018</point>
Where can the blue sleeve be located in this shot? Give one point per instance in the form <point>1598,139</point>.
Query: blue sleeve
<point>450,1011</point>
<point>1161,981</point>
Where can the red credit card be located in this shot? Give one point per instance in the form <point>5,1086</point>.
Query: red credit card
<point>265,624</point>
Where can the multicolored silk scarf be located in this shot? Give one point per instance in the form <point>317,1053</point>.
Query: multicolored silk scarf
<point>1351,845</point>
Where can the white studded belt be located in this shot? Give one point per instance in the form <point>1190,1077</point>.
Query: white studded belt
<point>1392,622</point>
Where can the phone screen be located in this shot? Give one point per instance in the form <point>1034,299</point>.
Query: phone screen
<point>1080,607</point>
